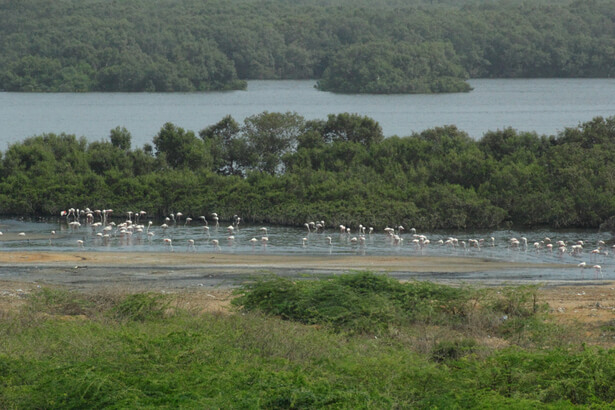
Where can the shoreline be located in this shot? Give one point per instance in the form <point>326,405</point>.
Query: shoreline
<point>174,270</point>
<point>208,280</point>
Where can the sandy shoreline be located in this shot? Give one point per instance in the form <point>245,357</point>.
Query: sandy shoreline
<point>263,261</point>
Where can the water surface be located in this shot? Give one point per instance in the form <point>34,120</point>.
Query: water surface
<point>545,106</point>
<point>282,240</point>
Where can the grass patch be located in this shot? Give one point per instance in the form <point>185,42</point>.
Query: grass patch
<point>350,341</point>
<point>141,307</point>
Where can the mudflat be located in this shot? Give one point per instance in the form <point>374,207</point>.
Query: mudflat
<point>207,279</point>
<point>177,270</point>
<point>154,270</point>
<point>262,261</point>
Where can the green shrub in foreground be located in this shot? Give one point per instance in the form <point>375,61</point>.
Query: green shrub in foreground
<point>146,358</point>
<point>361,302</point>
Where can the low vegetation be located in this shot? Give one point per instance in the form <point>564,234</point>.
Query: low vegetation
<point>357,340</point>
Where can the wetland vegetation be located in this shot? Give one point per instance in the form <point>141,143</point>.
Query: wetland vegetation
<point>279,168</point>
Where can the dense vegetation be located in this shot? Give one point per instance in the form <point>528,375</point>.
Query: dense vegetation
<point>380,46</point>
<point>280,168</point>
<point>354,341</point>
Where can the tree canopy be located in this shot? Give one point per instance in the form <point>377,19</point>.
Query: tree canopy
<point>383,46</point>
<point>281,168</point>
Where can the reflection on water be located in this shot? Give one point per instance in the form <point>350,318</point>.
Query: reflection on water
<point>597,248</point>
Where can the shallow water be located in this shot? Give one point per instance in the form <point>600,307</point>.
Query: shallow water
<point>24,235</point>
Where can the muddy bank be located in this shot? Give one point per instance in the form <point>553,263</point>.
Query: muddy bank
<point>217,270</point>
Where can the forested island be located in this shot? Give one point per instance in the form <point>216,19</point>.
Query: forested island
<point>385,46</point>
<point>280,168</point>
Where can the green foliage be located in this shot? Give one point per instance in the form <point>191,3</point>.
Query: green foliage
<point>357,303</point>
<point>386,46</point>
<point>280,168</point>
<point>453,349</point>
<point>383,68</point>
<point>354,128</point>
<point>58,302</point>
<point>141,307</point>
<point>180,148</point>
<point>142,358</point>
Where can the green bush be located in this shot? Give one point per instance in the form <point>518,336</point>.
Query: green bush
<point>361,302</point>
<point>141,307</point>
<point>58,302</point>
<point>453,349</point>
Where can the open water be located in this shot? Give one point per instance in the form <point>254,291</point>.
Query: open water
<point>545,106</point>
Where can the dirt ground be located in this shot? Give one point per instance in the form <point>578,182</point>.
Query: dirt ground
<point>590,303</point>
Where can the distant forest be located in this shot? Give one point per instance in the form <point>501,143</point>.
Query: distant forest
<point>380,46</point>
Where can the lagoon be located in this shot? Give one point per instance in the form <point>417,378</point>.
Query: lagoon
<point>544,106</point>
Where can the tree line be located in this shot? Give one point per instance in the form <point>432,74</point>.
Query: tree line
<point>384,46</point>
<point>280,168</point>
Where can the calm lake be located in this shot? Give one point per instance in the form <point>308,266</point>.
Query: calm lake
<point>545,106</point>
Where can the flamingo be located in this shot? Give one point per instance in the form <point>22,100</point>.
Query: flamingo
<point>169,243</point>
<point>191,245</point>
<point>582,265</point>
<point>598,269</point>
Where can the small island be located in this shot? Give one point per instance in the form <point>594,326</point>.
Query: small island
<point>383,68</point>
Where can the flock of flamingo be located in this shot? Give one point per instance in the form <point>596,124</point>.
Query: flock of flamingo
<point>134,228</point>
